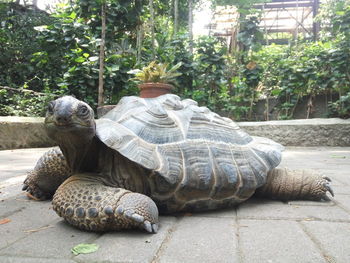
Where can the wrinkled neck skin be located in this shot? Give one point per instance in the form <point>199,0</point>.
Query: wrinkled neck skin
<point>78,145</point>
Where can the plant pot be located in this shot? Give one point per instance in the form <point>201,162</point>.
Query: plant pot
<point>152,90</point>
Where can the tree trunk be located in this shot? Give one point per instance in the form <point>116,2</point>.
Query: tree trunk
<point>35,4</point>
<point>151,10</point>
<point>139,40</point>
<point>102,55</point>
<point>176,16</point>
<point>190,25</point>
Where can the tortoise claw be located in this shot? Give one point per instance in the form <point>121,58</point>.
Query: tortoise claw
<point>328,188</point>
<point>147,226</point>
<point>139,219</point>
<point>150,228</point>
<point>134,216</point>
<point>327,178</point>
<point>155,228</point>
<point>139,210</point>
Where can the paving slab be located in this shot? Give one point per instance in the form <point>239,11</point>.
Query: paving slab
<point>259,230</point>
<point>201,239</point>
<point>129,246</point>
<point>332,238</point>
<point>34,215</point>
<point>7,259</point>
<point>276,241</point>
<point>46,242</point>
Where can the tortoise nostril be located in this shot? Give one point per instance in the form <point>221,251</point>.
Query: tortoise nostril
<point>63,119</point>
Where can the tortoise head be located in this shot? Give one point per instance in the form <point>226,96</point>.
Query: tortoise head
<point>68,114</point>
<point>70,122</point>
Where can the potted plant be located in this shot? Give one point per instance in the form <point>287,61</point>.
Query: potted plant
<point>155,80</point>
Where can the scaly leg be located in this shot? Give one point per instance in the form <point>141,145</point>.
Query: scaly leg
<point>50,171</point>
<point>85,202</point>
<point>284,184</point>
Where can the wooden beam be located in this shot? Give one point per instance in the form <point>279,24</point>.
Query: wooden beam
<point>278,6</point>
<point>283,1</point>
<point>279,18</point>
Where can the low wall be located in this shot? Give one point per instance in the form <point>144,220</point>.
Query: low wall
<point>26,132</point>
<point>305,132</point>
<point>23,132</point>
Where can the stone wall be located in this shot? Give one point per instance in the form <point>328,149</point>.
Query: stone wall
<point>305,132</point>
<point>23,132</point>
<point>26,132</point>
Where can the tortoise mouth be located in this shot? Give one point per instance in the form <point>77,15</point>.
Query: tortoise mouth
<point>67,127</point>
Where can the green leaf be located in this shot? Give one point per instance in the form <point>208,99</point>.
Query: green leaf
<point>73,15</point>
<point>84,249</point>
<point>79,59</point>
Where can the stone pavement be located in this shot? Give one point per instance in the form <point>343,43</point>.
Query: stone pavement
<point>256,231</point>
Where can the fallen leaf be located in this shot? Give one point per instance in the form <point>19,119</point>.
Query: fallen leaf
<point>36,230</point>
<point>308,219</point>
<point>338,156</point>
<point>188,214</point>
<point>84,249</point>
<point>5,221</point>
<point>32,197</point>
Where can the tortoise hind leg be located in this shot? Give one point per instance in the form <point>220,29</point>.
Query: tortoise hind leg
<point>85,202</point>
<point>284,184</point>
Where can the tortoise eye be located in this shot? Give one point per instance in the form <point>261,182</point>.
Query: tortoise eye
<point>50,107</point>
<point>83,110</point>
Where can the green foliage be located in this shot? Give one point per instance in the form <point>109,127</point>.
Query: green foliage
<point>59,54</point>
<point>14,103</point>
<point>156,72</point>
<point>334,18</point>
<point>341,107</point>
<point>307,70</point>
<point>250,36</point>
<point>18,43</point>
<point>208,68</point>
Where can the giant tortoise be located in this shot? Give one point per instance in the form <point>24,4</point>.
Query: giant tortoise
<point>153,154</point>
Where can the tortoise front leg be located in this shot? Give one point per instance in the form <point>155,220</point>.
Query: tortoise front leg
<point>85,202</point>
<point>284,184</point>
<point>50,171</point>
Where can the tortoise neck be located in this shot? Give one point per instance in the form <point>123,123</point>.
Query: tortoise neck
<point>77,147</point>
<point>78,155</point>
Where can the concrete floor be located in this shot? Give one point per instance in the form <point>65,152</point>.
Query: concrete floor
<point>255,231</point>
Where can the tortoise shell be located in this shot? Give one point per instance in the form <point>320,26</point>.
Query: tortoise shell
<point>196,157</point>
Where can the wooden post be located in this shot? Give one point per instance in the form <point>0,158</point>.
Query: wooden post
<point>102,55</point>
